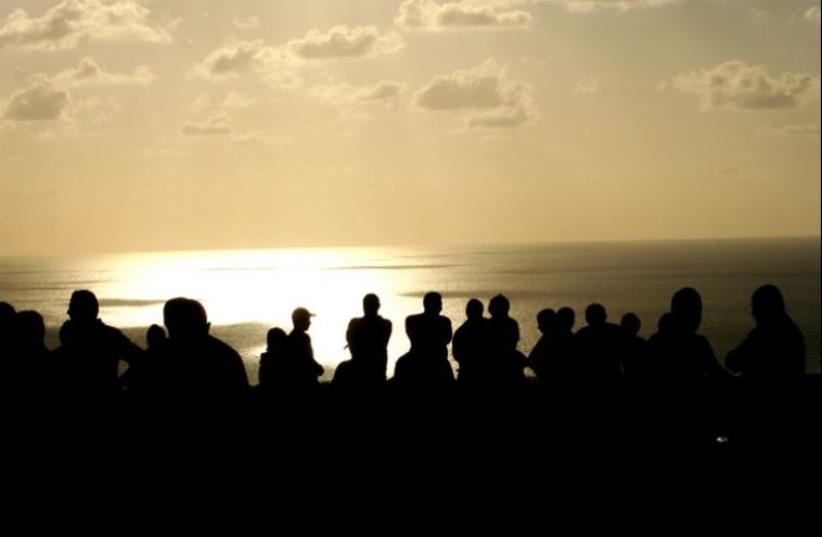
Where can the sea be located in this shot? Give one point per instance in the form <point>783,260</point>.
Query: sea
<point>246,292</point>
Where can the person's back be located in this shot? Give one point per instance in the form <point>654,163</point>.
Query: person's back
<point>634,349</point>
<point>426,364</point>
<point>7,314</point>
<point>367,338</point>
<point>470,345</point>
<point>270,375</point>
<point>541,356</point>
<point>92,350</point>
<point>191,367</point>
<point>301,369</point>
<point>599,346</point>
<point>680,355</point>
<point>25,369</point>
<point>429,334</point>
<point>774,351</point>
<point>507,363</point>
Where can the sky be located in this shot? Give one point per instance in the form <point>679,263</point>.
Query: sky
<point>153,125</point>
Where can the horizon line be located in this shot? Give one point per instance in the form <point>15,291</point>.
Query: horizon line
<point>434,246</point>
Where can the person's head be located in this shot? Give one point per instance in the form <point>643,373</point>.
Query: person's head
<point>595,314</point>
<point>301,318</point>
<point>432,303</point>
<point>275,339</point>
<point>546,320</point>
<point>6,313</point>
<point>630,324</point>
<point>83,307</point>
<point>767,305</point>
<point>686,310</point>
<point>499,306</point>
<point>185,319</point>
<point>155,335</point>
<point>474,309</point>
<point>30,330</point>
<point>370,305</point>
<point>566,318</point>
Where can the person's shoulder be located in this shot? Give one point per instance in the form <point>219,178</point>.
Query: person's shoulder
<point>112,333</point>
<point>221,347</point>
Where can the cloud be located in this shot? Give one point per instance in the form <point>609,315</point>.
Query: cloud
<point>248,23</point>
<point>495,101</point>
<point>586,86</point>
<point>72,21</point>
<point>93,109</point>
<point>807,129</point>
<point>48,97</point>
<point>231,61</point>
<point>90,73</point>
<point>585,6</point>
<point>215,125</point>
<point>237,100</point>
<point>428,15</point>
<point>41,101</point>
<point>814,13</point>
<point>386,92</point>
<point>255,137</point>
<point>279,66</point>
<point>345,42</point>
<point>737,85</point>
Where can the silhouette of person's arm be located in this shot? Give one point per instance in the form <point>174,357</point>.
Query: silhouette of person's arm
<point>410,329</point>
<point>316,368</point>
<point>349,336</point>
<point>713,369</point>
<point>736,358</point>
<point>388,329</point>
<point>447,332</point>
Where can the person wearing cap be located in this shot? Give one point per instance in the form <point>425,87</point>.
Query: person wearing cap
<point>303,370</point>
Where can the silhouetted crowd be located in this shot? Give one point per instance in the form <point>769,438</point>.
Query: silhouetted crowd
<point>601,376</point>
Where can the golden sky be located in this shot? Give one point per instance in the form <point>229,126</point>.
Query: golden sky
<point>142,125</point>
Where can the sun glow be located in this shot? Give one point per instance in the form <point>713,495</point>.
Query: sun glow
<point>258,289</point>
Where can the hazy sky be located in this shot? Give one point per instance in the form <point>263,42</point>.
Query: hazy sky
<point>262,123</point>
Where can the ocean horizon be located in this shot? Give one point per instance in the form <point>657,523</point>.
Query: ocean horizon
<point>246,292</point>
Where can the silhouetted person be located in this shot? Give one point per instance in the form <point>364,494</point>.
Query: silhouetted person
<point>270,374</point>
<point>25,370</point>
<point>634,349</point>
<point>301,370</point>
<point>539,360</point>
<point>470,346</point>
<point>565,364</point>
<point>91,350</point>
<point>773,403</point>
<point>367,338</point>
<point>192,368</point>
<point>774,351</point>
<point>155,337</point>
<point>426,364</point>
<point>507,363</point>
<point>7,313</point>
<point>679,353</point>
<point>599,345</point>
